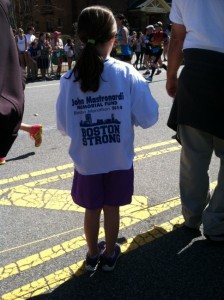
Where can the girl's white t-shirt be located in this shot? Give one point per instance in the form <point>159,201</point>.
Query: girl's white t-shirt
<point>101,124</point>
<point>201,32</point>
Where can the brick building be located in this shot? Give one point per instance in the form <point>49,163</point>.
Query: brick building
<point>142,13</point>
<point>50,15</point>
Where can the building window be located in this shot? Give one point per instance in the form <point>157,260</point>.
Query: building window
<point>49,26</point>
<point>60,22</point>
<point>37,25</point>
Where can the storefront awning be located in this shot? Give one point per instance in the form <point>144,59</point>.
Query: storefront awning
<point>151,6</point>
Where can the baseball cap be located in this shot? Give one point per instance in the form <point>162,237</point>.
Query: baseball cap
<point>150,26</point>
<point>57,33</point>
<point>160,23</point>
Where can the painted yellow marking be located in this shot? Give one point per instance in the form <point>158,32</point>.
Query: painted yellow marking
<point>64,176</point>
<point>148,147</point>
<point>41,240</point>
<point>131,214</point>
<point>5,202</point>
<point>24,196</point>
<point>36,173</point>
<point>19,188</point>
<point>156,153</point>
<point>57,278</point>
<point>69,166</point>
<point>148,236</point>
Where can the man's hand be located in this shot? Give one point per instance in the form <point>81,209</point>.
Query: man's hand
<point>175,57</point>
<point>171,86</point>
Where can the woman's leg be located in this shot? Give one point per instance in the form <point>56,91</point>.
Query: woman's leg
<point>59,66</point>
<point>43,72</point>
<point>137,59</point>
<point>69,59</point>
<point>146,63</point>
<point>22,60</point>
<point>35,132</point>
<point>25,127</point>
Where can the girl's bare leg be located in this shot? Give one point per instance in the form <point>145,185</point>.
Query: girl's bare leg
<point>111,227</point>
<point>91,229</point>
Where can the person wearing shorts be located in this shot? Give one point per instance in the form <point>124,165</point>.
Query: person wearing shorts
<point>100,101</point>
<point>157,39</point>
<point>123,49</point>
<point>147,55</point>
<point>96,191</point>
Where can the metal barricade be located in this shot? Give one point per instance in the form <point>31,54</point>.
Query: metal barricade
<point>57,61</point>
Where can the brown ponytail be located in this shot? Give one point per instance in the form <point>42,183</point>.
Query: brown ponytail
<point>96,25</point>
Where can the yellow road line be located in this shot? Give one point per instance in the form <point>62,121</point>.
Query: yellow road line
<point>130,215</point>
<point>69,166</point>
<point>67,175</point>
<point>41,240</point>
<point>56,178</point>
<point>156,153</point>
<point>57,278</point>
<point>36,173</point>
<point>160,144</point>
<point>47,180</point>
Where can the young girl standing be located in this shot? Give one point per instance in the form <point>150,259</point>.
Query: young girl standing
<point>99,103</point>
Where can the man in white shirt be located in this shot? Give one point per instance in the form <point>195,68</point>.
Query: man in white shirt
<point>30,37</point>
<point>198,108</point>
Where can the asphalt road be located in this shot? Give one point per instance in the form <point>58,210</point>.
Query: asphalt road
<point>42,246</point>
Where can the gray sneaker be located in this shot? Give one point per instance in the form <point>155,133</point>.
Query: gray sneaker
<point>93,262</point>
<point>109,262</point>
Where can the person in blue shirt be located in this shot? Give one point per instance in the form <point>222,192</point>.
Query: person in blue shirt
<point>123,49</point>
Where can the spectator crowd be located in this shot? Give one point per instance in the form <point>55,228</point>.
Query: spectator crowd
<point>43,52</point>
<point>44,56</point>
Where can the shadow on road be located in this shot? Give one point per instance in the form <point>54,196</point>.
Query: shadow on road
<point>21,156</point>
<point>178,265</point>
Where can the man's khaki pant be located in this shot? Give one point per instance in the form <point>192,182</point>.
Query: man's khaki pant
<point>198,204</point>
